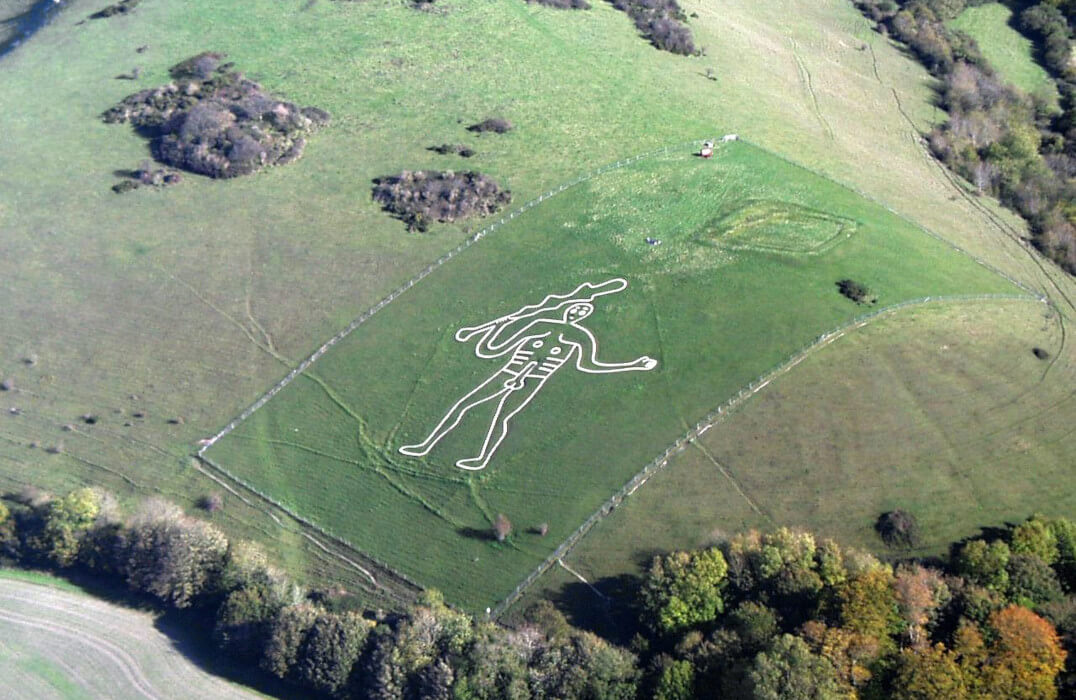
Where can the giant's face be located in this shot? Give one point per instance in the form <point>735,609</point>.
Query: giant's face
<point>578,312</point>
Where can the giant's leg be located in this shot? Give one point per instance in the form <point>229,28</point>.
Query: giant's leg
<point>509,405</point>
<point>486,391</point>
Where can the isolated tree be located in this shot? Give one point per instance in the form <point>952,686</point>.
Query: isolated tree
<point>683,589</point>
<point>789,671</point>
<point>898,528</point>
<point>502,527</point>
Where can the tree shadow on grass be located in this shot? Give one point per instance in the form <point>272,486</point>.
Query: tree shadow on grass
<point>612,615</point>
<point>189,633</point>
<point>475,533</point>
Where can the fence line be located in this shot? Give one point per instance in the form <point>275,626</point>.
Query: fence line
<point>710,419</point>
<point>321,531</point>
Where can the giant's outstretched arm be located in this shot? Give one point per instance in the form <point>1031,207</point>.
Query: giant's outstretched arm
<point>587,358</point>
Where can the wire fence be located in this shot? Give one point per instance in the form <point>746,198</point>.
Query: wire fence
<point>710,419</point>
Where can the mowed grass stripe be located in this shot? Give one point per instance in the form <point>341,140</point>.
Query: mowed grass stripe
<point>715,318</point>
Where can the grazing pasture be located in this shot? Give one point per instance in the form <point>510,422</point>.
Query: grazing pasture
<point>344,443</point>
<point>1011,53</point>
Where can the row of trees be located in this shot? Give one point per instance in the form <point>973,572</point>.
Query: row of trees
<point>775,615</point>
<point>1017,147</point>
<point>259,617</point>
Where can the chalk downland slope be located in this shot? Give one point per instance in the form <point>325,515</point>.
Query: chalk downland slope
<point>164,313</point>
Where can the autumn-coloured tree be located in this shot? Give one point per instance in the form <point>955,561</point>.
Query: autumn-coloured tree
<point>1025,656</point>
<point>928,673</point>
<point>867,604</point>
<point>919,592</point>
<point>851,653</point>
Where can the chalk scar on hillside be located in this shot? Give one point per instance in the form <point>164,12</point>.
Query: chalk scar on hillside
<point>538,339</point>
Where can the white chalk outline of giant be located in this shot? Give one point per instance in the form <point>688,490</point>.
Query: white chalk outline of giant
<point>533,360</point>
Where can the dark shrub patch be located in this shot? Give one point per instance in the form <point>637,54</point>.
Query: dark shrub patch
<point>660,21</point>
<point>855,291</point>
<point>1040,353</point>
<point>211,502</point>
<point>120,8</point>
<point>493,124</point>
<point>898,528</point>
<point>124,186</point>
<point>7,385</point>
<point>459,149</point>
<point>213,121</point>
<point>564,4</point>
<point>419,197</point>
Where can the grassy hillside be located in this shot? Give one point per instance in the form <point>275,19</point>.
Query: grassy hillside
<point>58,642</point>
<point>1009,51</point>
<point>171,311</point>
<point>727,295</point>
<point>937,411</point>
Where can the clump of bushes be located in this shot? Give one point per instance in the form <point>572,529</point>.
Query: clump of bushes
<point>420,197</point>
<point>898,529</point>
<point>662,22</point>
<point>120,8</point>
<point>495,125</point>
<point>148,176</point>
<point>564,4</point>
<point>856,291</point>
<point>212,121</point>
<point>458,149</point>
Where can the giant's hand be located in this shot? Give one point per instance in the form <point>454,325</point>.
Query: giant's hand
<point>646,363</point>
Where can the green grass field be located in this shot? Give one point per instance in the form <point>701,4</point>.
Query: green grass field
<point>1009,51</point>
<point>714,318</point>
<point>164,314</point>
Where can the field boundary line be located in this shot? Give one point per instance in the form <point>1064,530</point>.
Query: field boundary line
<point>723,410</point>
<point>324,533</point>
